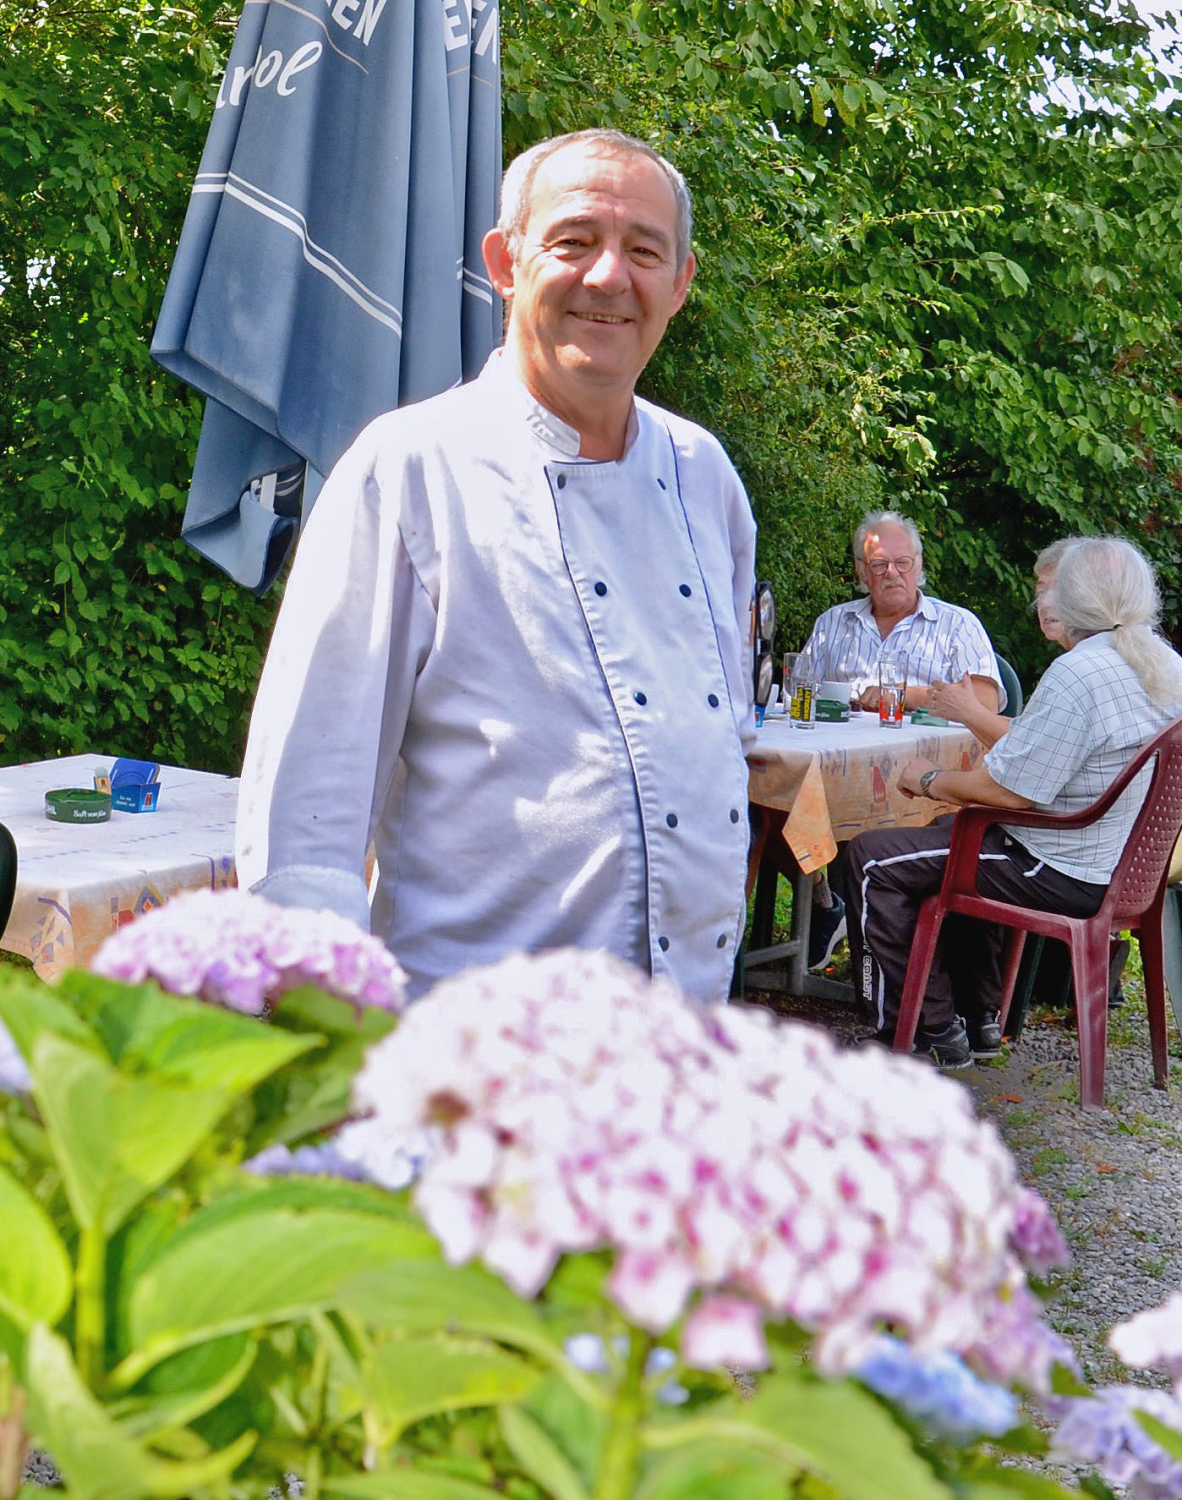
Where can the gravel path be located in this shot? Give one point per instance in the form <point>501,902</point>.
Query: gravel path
<point>1112,1177</point>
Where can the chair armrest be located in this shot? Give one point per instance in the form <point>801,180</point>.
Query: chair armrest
<point>972,823</point>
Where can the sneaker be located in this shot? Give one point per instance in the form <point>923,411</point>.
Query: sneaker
<point>826,930</point>
<point>984,1037</point>
<point>948,1048</point>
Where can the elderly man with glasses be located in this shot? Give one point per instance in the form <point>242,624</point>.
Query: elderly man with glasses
<point>935,640</point>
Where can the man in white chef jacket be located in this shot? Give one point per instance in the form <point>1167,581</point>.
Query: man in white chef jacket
<point>513,651</point>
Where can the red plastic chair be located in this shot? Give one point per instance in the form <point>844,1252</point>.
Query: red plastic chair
<point>1134,901</point>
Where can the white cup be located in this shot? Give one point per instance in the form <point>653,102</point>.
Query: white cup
<point>834,692</point>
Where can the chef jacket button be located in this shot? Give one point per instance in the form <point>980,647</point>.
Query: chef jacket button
<point>721,940</point>
<point>561,481</point>
<point>601,589</point>
<point>712,699</point>
<point>685,590</point>
<point>663,944</point>
<point>734,814</point>
<point>641,698</point>
<point>671,819</point>
<point>661,482</point>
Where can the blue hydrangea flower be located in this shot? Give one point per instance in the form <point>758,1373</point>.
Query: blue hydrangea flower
<point>939,1391</point>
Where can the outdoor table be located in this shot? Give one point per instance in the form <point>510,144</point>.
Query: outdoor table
<point>79,882</point>
<point>819,787</point>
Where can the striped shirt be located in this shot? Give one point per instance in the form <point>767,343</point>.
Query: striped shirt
<point>1086,719</point>
<point>935,640</point>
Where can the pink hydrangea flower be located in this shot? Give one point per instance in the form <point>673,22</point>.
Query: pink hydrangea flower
<point>236,949</point>
<point>724,1332</point>
<point>728,1159</point>
<point>1153,1340</point>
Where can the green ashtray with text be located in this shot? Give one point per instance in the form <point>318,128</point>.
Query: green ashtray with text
<point>829,711</point>
<point>78,804</point>
<point>922,716</point>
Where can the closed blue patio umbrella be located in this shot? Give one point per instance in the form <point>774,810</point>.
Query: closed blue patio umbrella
<point>329,267</point>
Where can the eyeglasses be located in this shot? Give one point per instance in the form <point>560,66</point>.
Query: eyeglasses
<point>879,565</point>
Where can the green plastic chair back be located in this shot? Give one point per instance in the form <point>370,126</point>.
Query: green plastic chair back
<point>1009,681</point>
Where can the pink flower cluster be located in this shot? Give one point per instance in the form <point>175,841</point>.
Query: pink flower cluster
<point>1152,1340</point>
<point>738,1166</point>
<point>236,949</point>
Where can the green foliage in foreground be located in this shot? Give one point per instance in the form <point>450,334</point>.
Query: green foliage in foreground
<point>171,1326</point>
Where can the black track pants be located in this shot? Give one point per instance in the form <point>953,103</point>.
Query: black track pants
<point>890,872</point>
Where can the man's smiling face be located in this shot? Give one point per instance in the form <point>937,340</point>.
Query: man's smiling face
<point>596,279</point>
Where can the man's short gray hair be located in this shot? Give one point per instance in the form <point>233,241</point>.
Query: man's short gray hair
<point>1048,559</point>
<point>517,187</point>
<point>1106,584</point>
<point>875,521</point>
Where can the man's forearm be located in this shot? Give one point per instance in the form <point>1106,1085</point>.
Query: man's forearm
<point>963,787</point>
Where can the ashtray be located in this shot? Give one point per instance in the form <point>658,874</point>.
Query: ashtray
<point>77,804</point>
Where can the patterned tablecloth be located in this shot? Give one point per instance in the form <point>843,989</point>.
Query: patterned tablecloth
<point>78,882</point>
<point>837,780</point>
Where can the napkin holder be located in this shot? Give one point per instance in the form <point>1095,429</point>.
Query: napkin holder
<point>134,785</point>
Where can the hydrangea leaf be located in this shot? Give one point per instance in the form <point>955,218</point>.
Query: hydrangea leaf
<point>256,1268</point>
<point>1165,1437</point>
<point>840,1432</point>
<point>187,1386</point>
<point>29,1008</point>
<point>540,1456</point>
<point>302,1100</point>
<point>423,1295</point>
<point>35,1273</point>
<point>187,1040</point>
<point>115,1138</point>
<point>716,1471</point>
<point>406,1484</point>
<point>100,1461</point>
<point>407,1379</point>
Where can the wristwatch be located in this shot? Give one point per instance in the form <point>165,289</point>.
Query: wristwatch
<point>925,782</point>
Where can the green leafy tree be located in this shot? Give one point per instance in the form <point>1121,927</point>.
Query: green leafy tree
<point>941,266</point>
<point>113,634</point>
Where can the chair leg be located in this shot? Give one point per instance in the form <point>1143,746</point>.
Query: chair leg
<point>1089,971</point>
<point>923,951</point>
<point>1153,966</point>
<point>1015,943</point>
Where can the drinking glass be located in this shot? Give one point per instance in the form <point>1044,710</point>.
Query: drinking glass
<point>802,705</point>
<point>892,690</point>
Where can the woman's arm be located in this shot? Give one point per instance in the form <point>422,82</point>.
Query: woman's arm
<point>960,787</point>
<point>960,702</point>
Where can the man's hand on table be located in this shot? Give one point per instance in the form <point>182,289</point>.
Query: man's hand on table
<point>910,774</point>
<point>917,696</point>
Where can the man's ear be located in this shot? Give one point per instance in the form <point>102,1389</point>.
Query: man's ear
<point>498,262</point>
<point>681,283</point>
